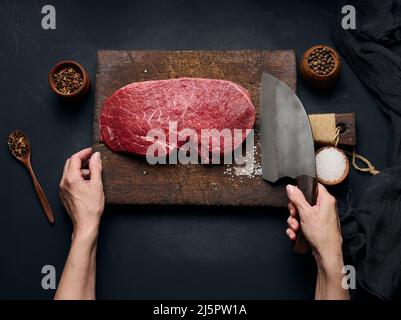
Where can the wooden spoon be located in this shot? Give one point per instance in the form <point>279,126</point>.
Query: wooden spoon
<point>20,148</point>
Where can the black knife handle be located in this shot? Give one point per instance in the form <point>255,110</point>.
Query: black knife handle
<point>308,186</point>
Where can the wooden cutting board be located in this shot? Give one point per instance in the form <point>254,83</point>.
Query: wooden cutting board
<point>130,179</point>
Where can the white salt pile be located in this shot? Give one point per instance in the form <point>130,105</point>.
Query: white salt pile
<point>331,165</point>
<point>250,169</point>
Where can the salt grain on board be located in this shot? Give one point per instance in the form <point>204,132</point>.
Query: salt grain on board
<point>251,169</point>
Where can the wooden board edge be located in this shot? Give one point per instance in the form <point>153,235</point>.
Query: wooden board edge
<point>348,122</point>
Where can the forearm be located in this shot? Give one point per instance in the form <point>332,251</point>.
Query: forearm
<point>78,279</point>
<point>329,279</point>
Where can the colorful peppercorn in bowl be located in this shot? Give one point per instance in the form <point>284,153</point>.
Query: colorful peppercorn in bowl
<point>320,66</point>
<point>68,79</point>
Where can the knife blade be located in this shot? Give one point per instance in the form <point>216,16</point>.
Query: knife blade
<point>287,148</point>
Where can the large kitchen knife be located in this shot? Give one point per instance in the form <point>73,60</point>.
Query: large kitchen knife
<point>287,142</point>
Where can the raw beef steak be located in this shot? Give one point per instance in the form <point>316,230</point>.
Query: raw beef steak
<point>130,112</point>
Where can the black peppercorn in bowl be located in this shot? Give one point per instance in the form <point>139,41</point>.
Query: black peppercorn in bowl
<point>320,66</point>
<point>68,79</point>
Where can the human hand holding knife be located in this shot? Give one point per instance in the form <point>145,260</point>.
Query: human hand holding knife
<point>287,142</point>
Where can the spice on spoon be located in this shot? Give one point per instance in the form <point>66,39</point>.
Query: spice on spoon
<point>18,144</point>
<point>68,80</point>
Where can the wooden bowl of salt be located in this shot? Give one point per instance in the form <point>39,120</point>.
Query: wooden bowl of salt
<point>332,166</point>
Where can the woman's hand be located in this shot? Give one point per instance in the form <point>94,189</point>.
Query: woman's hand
<point>321,228</point>
<point>81,191</point>
<point>319,223</point>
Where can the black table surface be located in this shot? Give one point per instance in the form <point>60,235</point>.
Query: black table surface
<point>157,252</point>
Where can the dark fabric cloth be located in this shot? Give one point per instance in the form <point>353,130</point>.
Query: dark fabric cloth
<point>372,235</point>
<point>372,231</point>
<point>373,50</point>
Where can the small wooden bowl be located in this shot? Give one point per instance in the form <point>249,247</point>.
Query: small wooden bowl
<point>346,172</point>
<point>320,80</point>
<point>85,84</point>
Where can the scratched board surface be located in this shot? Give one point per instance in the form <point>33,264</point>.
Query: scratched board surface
<point>129,179</point>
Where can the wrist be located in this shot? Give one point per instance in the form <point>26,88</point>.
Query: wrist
<point>329,263</point>
<point>85,235</point>
<point>329,253</point>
